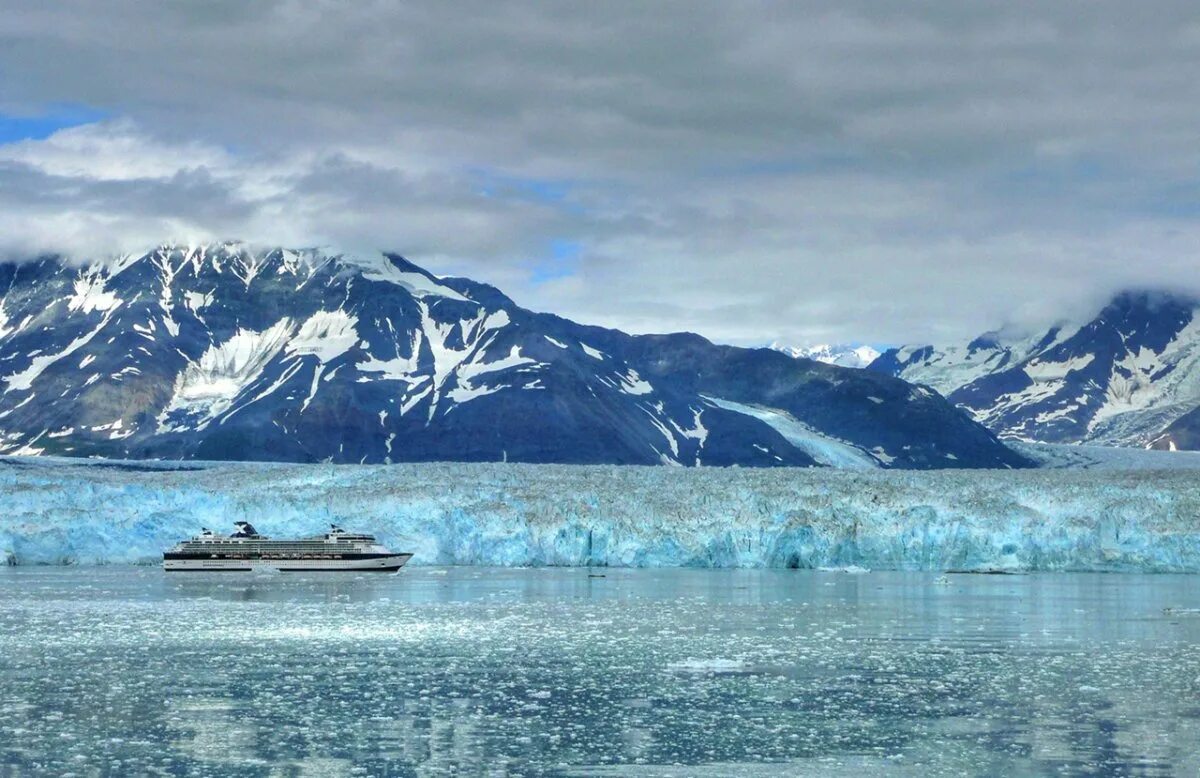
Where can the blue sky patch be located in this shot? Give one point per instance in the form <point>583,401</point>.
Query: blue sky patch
<point>39,126</point>
<point>554,192</point>
<point>561,260</point>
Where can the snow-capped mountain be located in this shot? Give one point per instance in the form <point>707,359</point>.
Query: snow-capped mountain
<point>841,355</point>
<point>226,352</point>
<point>1128,377</point>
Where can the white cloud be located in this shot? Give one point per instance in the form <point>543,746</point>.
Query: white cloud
<point>113,187</point>
<point>114,151</point>
<point>801,171</point>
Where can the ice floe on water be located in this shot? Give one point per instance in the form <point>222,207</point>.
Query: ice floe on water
<point>709,666</point>
<point>63,511</point>
<point>679,672</point>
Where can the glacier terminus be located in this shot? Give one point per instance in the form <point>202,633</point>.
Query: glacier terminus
<point>62,511</point>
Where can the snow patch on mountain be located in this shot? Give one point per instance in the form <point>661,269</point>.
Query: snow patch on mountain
<point>1120,378</point>
<point>236,352</point>
<point>381,268</point>
<point>592,352</point>
<point>208,387</point>
<point>90,294</point>
<point>326,335</point>
<point>632,383</point>
<point>441,338</point>
<point>479,366</point>
<point>469,385</point>
<point>397,368</point>
<point>1149,389</point>
<point>948,368</point>
<point>196,301</point>
<point>23,380</point>
<point>497,320</point>
<point>697,431</point>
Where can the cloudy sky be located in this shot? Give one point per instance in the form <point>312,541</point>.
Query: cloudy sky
<point>849,171</point>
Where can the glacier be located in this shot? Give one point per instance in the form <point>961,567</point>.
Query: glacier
<point>62,511</point>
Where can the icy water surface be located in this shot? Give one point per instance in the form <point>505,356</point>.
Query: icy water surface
<point>131,671</point>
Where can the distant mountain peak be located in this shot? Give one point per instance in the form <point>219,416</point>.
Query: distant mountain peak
<point>842,355</point>
<point>1129,375</point>
<point>1150,298</point>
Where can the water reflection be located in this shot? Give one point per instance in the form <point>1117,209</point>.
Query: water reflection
<point>677,672</point>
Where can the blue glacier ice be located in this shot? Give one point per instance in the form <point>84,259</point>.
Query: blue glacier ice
<point>69,511</point>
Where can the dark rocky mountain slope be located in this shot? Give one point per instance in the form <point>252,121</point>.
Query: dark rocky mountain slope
<point>226,352</point>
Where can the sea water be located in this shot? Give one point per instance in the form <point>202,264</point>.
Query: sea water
<point>557,671</point>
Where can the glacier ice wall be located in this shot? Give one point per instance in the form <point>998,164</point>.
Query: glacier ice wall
<point>63,511</point>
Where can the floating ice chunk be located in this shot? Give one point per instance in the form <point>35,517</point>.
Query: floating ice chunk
<point>709,666</point>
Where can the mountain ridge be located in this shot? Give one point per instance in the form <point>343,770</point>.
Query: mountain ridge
<point>225,351</point>
<point>842,355</point>
<point>1129,376</point>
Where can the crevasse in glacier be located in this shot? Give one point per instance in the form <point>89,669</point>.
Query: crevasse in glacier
<point>62,511</point>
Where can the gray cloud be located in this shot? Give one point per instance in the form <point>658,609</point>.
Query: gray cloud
<point>752,171</point>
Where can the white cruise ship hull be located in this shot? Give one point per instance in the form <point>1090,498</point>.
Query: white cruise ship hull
<point>380,564</point>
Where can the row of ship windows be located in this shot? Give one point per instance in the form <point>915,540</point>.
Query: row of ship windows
<point>274,543</point>
<point>273,550</point>
<point>291,556</point>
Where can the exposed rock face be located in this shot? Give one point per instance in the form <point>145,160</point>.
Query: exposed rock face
<point>1128,377</point>
<point>225,352</point>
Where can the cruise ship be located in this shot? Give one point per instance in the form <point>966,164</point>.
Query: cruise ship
<point>246,549</point>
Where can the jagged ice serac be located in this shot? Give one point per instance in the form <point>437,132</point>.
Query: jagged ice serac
<point>57,511</point>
